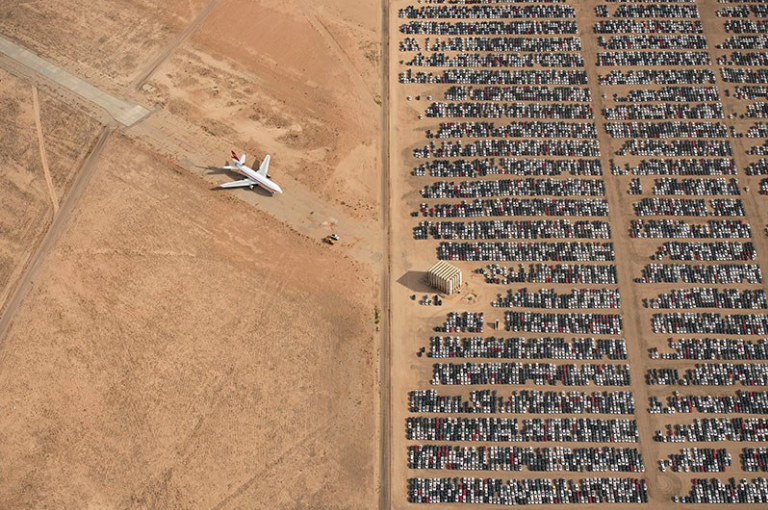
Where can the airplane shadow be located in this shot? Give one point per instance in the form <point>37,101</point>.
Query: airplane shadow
<point>217,170</point>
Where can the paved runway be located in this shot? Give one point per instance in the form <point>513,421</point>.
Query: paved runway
<point>122,111</point>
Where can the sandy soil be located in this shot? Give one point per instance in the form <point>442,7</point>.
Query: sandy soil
<point>181,348</point>
<point>26,209</point>
<point>184,361</point>
<point>310,101</point>
<point>242,77</point>
<point>68,137</point>
<point>109,42</point>
<point>25,205</point>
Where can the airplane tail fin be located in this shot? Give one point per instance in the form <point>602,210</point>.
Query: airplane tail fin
<point>238,161</point>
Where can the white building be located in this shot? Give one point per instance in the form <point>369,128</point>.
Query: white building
<point>445,277</point>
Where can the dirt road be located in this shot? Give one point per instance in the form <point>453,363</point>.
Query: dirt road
<point>43,155</point>
<point>122,111</point>
<point>385,354</point>
<point>59,222</point>
<point>144,75</point>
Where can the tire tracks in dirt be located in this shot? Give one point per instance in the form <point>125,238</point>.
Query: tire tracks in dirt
<point>336,47</point>
<point>147,73</point>
<point>153,490</point>
<point>285,454</point>
<point>52,235</point>
<point>43,156</point>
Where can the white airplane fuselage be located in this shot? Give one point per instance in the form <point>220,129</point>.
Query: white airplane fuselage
<point>258,180</point>
<point>253,177</point>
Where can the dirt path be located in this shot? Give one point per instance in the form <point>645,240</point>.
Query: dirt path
<point>336,47</point>
<point>626,254</point>
<point>143,76</point>
<point>385,336</point>
<point>59,222</point>
<point>43,156</point>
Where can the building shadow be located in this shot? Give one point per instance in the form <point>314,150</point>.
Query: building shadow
<point>416,281</point>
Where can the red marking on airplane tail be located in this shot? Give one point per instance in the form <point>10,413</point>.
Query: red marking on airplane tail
<point>234,156</point>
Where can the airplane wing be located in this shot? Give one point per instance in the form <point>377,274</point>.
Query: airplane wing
<point>238,184</point>
<point>264,168</point>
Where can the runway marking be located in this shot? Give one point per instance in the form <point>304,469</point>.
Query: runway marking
<point>122,111</point>
<point>43,157</point>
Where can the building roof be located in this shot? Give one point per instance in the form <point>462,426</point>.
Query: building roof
<point>444,270</point>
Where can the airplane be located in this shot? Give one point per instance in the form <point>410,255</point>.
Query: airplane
<point>253,177</point>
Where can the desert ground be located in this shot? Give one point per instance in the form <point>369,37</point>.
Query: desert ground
<point>165,357</point>
<point>165,344</point>
<point>28,199</point>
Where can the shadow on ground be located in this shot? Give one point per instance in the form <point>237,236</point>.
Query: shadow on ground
<point>415,281</point>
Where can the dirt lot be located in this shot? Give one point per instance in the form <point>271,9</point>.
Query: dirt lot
<point>185,361</point>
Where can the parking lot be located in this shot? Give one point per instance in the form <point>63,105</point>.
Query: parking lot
<point>596,174</point>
